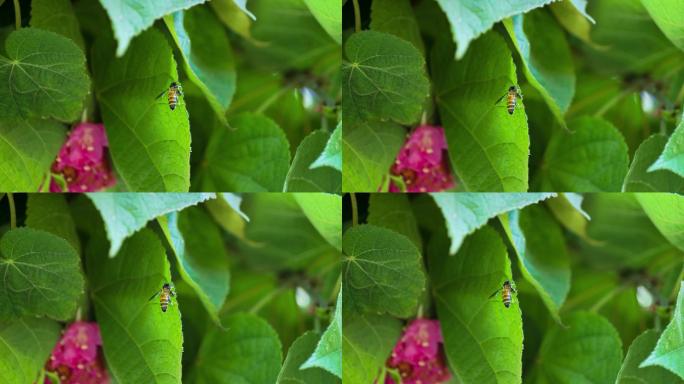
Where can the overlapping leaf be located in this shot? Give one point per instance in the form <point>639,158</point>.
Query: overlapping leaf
<point>641,176</point>
<point>396,17</point>
<point>50,213</point>
<point>298,352</point>
<point>630,372</point>
<point>148,142</point>
<point>367,342</point>
<point>329,15</point>
<point>328,352</point>
<point>666,211</point>
<point>488,148</point>
<point>57,16</point>
<point>24,347</point>
<point>332,153</point>
<point>394,212</point>
<point>41,275</point>
<point>324,211</point>
<point>672,156</point>
<point>302,177</point>
<point>667,15</point>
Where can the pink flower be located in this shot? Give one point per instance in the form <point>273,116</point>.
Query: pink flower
<point>76,358</point>
<point>418,356</point>
<point>82,161</point>
<point>422,162</point>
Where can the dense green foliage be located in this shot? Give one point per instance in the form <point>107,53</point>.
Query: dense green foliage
<point>599,282</point>
<point>602,82</point>
<point>236,318</point>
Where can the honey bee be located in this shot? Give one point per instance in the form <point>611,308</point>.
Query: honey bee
<point>506,290</point>
<point>175,89</point>
<point>511,96</point>
<point>165,295</point>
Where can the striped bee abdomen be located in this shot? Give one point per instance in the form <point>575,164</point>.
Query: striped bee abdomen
<point>506,296</point>
<point>164,301</point>
<point>510,103</point>
<point>173,98</point>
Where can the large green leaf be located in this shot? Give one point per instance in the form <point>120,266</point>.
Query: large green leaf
<point>393,211</point>
<point>397,17</point>
<point>57,16</point>
<point>201,256</point>
<point>141,343</point>
<point>130,17</point>
<point>668,351</point>
<point>488,148</point>
<point>587,351</point>
<point>576,161</point>
<point>471,18</point>
<point>546,58</point>
<point>24,347</point>
<point>324,211</point>
<point>367,341</point>
<point>329,15</point>
<point>246,352</point>
<point>50,213</point>
<point>207,54</point>
<point>641,178</point>
<point>44,76</point>
<point>573,16</point>
<point>369,150</point>
<point>538,240</point>
<point>126,213</point>
<point>383,271</point>
<point>672,156</point>
<point>384,78</point>
<point>466,212</point>
<point>328,352</point>
<point>630,373</point>
<point>302,177</point>
<point>27,149</point>
<point>280,234</point>
<point>666,211</point>
<point>148,142</point>
<point>332,153</point>
<point>482,338</point>
<point>233,17</point>
<point>41,275</point>
<point>296,355</point>
<point>667,15</point>
<point>252,157</point>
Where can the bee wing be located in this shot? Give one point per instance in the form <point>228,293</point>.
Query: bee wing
<point>495,292</point>
<point>161,94</point>
<point>153,296</point>
<point>501,98</point>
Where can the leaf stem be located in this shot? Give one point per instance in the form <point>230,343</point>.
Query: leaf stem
<point>17,14</point>
<point>267,103</point>
<point>266,299</point>
<point>357,16</point>
<point>355,212</point>
<point>607,298</point>
<point>614,100</point>
<point>13,211</point>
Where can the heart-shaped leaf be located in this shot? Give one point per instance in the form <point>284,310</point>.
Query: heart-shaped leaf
<point>25,345</point>
<point>57,16</point>
<point>394,212</point>
<point>367,342</point>
<point>397,17</point>
<point>50,213</point>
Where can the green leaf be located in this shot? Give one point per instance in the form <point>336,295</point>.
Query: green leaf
<point>488,148</point>
<point>466,212</point>
<point>207,55</point>
<point>27,149</point>
<point>369,150</point>
<point>471,18</point>
<point>641,178</point>
<point>393,211</point>
<point>246,352</point>
<point>126,213</point>
<point>546,58</point>
<point>45,76</point>
<point>383,271</point>
<point>50,213</point>
<point>667,15</point>
<point>298,352</point>
<point>482,338</point>
<point>397,17</point>
<point>672,157</point>
<point>302,178</point>
<point>201,256</point>
<point>148,142</point>
<point>141,343</point>
<point>384,78</point>
<point>329,15</point>
<point>233,17</point>
<point>631,373</point>
<point>42,275</point>
<point>576,161</point>
<point>324,211</point>
<point>25,345</point>
<point>367,341</point>
<point>667,352</point>
<point>253,157</point>
<point>332,153</point>
<point>587,351</point>
<point>280,234</point>
<point>131,17</point>
<point>57,16</point>
<point>573,16</point>
<point>666,211</point>
<point>540,246</point>
<point>328,352</point>
<point>567,208</point>
<point>242,5</point>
